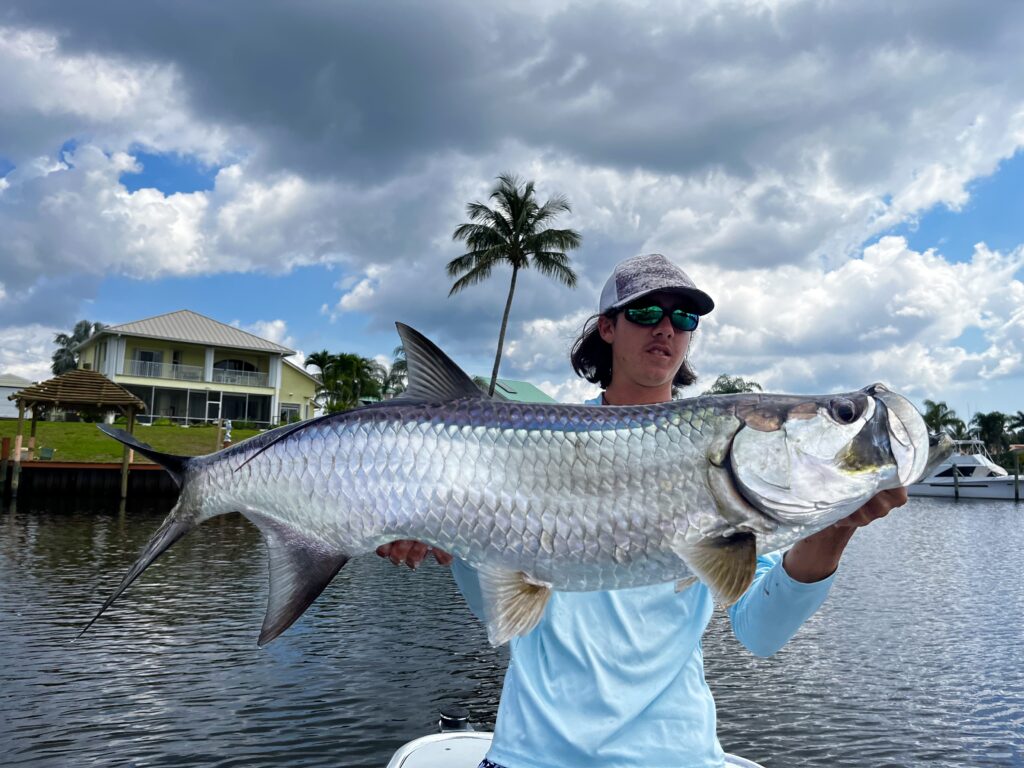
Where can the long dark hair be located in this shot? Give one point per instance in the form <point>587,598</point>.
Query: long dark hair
<point>591,357</point>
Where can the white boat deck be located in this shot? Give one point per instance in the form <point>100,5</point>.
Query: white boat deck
<point>465,749</point>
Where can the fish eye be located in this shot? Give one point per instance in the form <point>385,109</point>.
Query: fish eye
<point>842,410</point>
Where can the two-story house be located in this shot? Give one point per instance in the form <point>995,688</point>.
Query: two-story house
<point>190,368</point>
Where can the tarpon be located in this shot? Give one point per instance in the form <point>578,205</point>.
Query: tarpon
<point>542,497</point>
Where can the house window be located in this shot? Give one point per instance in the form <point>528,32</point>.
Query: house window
<point>289,412</point>
<point>234,365</point>
<point>149,356</point>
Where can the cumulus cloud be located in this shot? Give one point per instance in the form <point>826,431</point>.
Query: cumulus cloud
<point>277,332</point>
<point>26,350</point>
<point>760,144</point>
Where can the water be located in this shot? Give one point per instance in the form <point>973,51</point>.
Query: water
<point>917,657</point>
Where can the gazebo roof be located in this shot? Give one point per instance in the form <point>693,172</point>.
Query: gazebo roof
<point>79,387</point>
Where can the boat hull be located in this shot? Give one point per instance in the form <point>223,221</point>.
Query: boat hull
<point>993,488</point>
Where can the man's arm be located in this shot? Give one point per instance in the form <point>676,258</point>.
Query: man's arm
<point>817,557</point>
<point>785,594</point>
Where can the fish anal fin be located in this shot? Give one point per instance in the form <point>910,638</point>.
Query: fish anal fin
<point>300,569</point>
<point>726,563</point>
<point>513,602</point>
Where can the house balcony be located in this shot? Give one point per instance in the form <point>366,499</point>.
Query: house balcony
<point>243,378</point>
<point>153,370</point>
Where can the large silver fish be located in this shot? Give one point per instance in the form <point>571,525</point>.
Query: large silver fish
<point>543,497</point>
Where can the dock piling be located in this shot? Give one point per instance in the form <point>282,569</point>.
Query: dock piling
<point>16,470</point>
<point>5,455</point>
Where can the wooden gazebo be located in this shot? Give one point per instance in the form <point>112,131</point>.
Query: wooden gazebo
<point>76,388</point>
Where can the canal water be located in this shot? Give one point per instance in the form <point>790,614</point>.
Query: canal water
<point>917,658</point>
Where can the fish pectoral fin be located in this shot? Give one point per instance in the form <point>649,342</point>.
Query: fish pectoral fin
<point>300,569</point>
<point>686,583</point>
<point>513,602</point>
<point>726,563</point>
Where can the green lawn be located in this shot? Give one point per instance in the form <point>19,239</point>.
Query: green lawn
<point>77,441</point>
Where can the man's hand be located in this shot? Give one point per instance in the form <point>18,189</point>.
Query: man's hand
<point>817,557</point>
<point>412,553</point>
<point>878,507</point>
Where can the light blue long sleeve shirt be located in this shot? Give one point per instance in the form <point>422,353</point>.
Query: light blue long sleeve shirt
<point>617,678</point>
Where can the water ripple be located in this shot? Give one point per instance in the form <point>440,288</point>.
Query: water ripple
<point>915,659</point>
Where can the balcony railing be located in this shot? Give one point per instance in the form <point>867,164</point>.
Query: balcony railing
<point>163,370</point>
<point>243,378</point>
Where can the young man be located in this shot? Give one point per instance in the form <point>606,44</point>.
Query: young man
<point>617,678</point>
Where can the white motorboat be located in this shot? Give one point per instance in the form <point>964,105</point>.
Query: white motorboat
<point>969,473</point>
<point>458,746</point>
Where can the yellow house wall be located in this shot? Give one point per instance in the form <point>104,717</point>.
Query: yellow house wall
<point>296,388</point>
<point>190,353</point>
<point>86,356</point>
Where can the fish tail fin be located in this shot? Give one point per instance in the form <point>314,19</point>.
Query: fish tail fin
<point>175,465</point>
<point>176,525</point>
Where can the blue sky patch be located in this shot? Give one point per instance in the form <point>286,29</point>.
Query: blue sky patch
<point>992,215</point>
<point>169,173</point>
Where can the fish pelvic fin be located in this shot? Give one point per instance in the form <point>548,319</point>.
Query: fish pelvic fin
<point>433,376</point>
<point>175,465</point>
<point>300,569</point>
<point>726,563</point>
<point>514,603</point>
<point>175,526</point>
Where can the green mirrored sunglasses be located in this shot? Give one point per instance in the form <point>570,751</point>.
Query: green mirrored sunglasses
<point>681,321</point>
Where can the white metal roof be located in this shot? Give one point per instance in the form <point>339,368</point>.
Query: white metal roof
<point>10,380</point>
<point>192,328</point>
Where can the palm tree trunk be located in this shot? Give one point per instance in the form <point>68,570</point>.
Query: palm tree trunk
<point>501,336</point>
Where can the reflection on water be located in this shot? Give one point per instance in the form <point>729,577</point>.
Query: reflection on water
<point>916,658</point>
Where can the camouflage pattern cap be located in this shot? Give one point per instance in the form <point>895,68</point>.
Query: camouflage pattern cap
<point>639,275</point>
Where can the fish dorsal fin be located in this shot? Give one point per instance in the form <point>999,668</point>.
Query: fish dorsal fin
<point>433,376</point>
<point>726,564</point>
<point>300,569</point>
<point>513,602</point>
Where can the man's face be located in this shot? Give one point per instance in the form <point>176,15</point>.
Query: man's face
<point>648,356</point>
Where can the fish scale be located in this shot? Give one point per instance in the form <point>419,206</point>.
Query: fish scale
<point>538,497</point>
<point>570,469</point>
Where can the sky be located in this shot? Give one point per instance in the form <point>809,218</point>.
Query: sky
<point>846,180</point>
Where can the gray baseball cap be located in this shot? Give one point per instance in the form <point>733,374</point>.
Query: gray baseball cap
<point>639,275</point>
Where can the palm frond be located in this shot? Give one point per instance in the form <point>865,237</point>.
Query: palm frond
<point>555,265</point>
<point>474,276</point>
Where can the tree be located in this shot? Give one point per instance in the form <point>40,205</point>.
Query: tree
<point>728,385</point>
<point>1015,423</point>
<point>320,359</point>
<point>393,381</point>
<point>941,418</point>
<point>513,232</point>
<point>345,379</point>
<point>64,357</point>
<point>990,428</point>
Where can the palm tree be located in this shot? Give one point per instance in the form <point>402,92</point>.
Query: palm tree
<point>64,357</point>
<point>394,377</point>
<point>1015,423</point>
<point>320,359</point>
<point>938,416</point>
<point>513,232</point>
<point>728,385</point>
<point>990,429</point>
